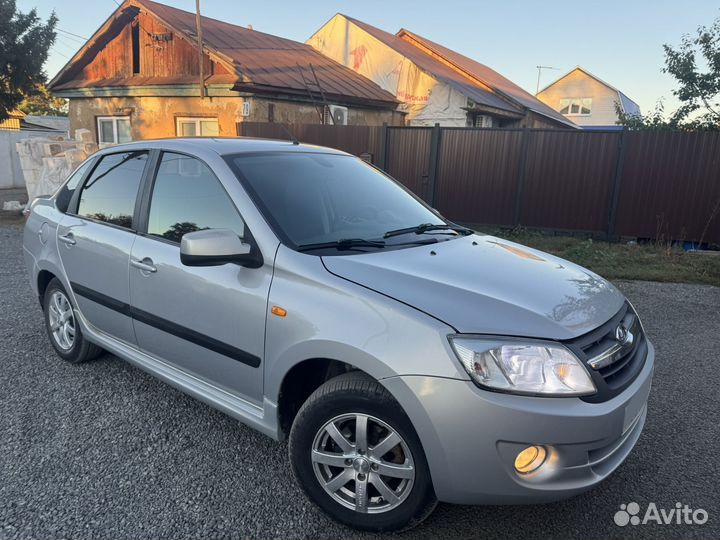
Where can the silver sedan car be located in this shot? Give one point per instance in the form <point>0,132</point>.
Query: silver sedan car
<point>304,292</point>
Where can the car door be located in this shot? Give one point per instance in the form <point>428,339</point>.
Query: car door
<point>95,238</point>
<point>208,321</point>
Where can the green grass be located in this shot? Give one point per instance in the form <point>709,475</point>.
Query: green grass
<point>650,262</point>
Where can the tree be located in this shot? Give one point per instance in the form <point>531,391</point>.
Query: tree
<point>44,103</point>
<point>698,85</point>
<point>698,90</point>
<point>24,45</point>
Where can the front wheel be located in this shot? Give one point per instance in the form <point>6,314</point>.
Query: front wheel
<point>357,456</point>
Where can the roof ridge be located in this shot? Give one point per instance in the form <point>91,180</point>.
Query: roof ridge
<point>205,17</point>
<point>421,43</point>
<point>533,103</point>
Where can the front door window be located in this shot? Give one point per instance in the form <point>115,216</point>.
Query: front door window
<point>188,197</point>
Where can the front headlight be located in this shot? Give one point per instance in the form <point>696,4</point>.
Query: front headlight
<point>523,367</point>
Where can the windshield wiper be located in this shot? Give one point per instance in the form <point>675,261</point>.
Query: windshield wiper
<point>344,243</point>
<point>425,227</point>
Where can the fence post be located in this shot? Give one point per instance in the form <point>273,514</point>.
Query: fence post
<point>521,175</point>
<point>384,146</point>
<point>617,180</point>
<point>433,164</point>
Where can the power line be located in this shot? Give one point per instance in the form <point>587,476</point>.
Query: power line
<point>71,34</point>
<point>69,44</point>
<point>58,52</point>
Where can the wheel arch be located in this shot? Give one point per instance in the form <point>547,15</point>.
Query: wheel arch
<point>303,368</point>
<point>301,380</point>
<point>44,278</point>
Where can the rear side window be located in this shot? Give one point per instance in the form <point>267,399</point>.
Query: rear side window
<point>110,192</point>
<point>188,197</point>
<point>66,191</point>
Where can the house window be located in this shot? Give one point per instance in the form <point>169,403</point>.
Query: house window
<point>113,130</point>
<point>136,49</point>
<point>197,127</point>
<point>576,106</point>
<point>484,121</point>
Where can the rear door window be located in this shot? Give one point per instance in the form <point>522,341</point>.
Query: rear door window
<point>66,191</point>
<point>110,192</point>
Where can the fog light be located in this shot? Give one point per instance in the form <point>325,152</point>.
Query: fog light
<point>530,459</point>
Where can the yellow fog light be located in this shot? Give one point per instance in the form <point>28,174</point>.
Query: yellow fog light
<point>530,459</point>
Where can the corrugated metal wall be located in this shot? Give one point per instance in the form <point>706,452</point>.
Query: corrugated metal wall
<point>567,180</point>
<point>633,184</point>
<point>408,150</point>
<point>670,186</point>
<point>353,139</point>
<point>477,176</point>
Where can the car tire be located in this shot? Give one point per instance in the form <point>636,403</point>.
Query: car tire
<point>62,327</point>
<point>341,405</point>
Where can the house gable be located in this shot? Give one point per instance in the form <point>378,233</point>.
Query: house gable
<point>135,48</point>
<point>578,83</point>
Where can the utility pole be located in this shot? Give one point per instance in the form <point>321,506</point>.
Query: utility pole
<point>201,56</point>
<point>539,68</point>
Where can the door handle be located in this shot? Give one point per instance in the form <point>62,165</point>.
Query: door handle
<point>68,239</point>
<point>146,265</point>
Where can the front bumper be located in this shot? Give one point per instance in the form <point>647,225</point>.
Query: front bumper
<point>471,437</point>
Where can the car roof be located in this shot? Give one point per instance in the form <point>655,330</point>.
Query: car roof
<point>223,145</point>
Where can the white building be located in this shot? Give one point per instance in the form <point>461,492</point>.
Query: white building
<point>434,84</point>
<point>587,100</point>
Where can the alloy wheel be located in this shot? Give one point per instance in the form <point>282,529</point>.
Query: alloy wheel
<point>62,320</point>
<point>363,463</point>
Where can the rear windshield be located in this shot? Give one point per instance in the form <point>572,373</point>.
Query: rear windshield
<point>313,198</point>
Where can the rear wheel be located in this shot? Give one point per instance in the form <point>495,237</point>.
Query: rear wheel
<point>357,456</point>
<point>62,327</point>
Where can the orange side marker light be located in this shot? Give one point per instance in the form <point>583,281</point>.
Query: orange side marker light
<point>277,310</point>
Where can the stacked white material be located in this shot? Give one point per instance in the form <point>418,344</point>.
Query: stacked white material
<point>47,162</point>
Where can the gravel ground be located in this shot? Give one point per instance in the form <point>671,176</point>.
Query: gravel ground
<point>102,450</point>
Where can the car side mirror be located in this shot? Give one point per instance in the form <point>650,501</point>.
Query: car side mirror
<point>215,247</point>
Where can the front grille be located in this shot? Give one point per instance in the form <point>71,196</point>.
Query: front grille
<point>612,365</point>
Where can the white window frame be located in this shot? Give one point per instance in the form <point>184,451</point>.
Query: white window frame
<point>576,101</point>
<point>114,120</point>
<point>484,121</point>
<point>194,120</point>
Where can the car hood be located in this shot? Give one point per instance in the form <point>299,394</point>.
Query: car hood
<point>486,285</point>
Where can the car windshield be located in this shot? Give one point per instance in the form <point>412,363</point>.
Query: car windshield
<point>314,198</point>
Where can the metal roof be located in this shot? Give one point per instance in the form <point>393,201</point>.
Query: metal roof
<point>476,81</point>
<point>271,62</point>
<point>440,71</point>
<point>484,74</point>
<point>258,62</point>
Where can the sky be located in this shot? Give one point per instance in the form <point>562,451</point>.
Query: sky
<point>619,41</point>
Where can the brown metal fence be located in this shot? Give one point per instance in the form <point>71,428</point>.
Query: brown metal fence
<point>615,183</point>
